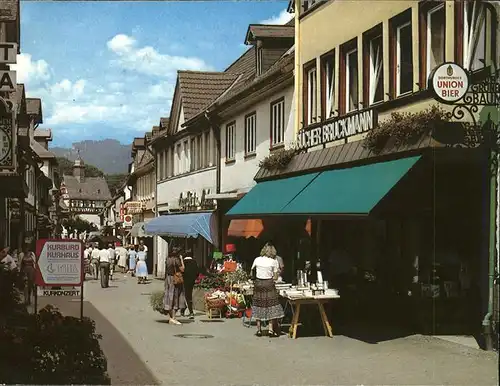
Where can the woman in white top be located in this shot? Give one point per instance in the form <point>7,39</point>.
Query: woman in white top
<point>265,303</point>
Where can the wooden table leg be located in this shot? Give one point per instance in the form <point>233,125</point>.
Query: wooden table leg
<point>324,318</point>
<point>295,320</point>
<point>325,330</point>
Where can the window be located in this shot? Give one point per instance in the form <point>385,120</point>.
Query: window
<point>328,86</point>
<point>351,76</point>
<point>311,105</point>
<point>207,149</point>
<point>259,60</point>
<point>230,141</point>
<point>199,151</point>
<point>165,164</point>
<point>432,38</point>
<point>160,165</point>
<point>172,161</point>
<point>250,132</point>
<point>373,59</point>
<point>178,166</point>
<point>472,35</point>
<point>187,157</point>
<point>401,54</point>
<point>192,164</point>
<point>277,122</point>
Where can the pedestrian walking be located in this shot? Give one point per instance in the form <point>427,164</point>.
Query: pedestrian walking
<point>141,269</point>
<point>28,264</point>
<point>266,305</point>
<point>112,260</point>
<point>7,259</point>
<point>174,298</point>
<point>122,258</point>
<point>190,274</point>
<point>104,266</point>
<point>95,261</point>
<point>132,258</point>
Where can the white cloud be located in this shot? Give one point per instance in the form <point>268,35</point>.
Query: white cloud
<point>283,18</point>
<point>121,44</point>
<point>29,71</point>
<point>147,60</point>
<point>126,100</point>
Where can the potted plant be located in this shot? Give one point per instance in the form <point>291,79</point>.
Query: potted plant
<point>205,284</point>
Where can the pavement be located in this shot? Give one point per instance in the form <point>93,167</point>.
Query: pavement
<point>143,349</point>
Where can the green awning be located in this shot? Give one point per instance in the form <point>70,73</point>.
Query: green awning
<point>271,197</point>
<point>350,191</point>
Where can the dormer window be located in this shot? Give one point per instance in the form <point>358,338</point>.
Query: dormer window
<point>79,190</point>
<point>98,191</point>
<point>259,61</point>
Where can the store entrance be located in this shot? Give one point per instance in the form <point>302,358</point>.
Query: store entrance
<point>414,264</point>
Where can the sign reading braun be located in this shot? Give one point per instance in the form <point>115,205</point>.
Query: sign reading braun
<point>449,82</point>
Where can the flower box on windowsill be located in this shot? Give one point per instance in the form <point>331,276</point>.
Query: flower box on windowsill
<point>280,146</point>
<point>230,161</point>
<point>250,155</point>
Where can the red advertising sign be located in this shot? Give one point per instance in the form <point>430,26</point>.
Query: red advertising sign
<point>59,262</point>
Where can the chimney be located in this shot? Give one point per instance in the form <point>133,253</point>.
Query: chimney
<point>79,169</point>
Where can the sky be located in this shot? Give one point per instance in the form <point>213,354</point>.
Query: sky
<point>108,69</point>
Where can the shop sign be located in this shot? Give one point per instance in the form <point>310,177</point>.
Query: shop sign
<point>50,292</point>
<point>8,53</point>
<point>206,204</point>
<point>7,139</point>
<point>8,81</point>
<point>59,263</point>
<point>122,212</point>
<point>134,207</point>
<point>127,220</point>
<point>334,129</point>
<point>449,82</point>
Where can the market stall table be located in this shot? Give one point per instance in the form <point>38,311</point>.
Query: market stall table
<point>296,299</point>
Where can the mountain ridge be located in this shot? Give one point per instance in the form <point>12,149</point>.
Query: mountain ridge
<point>108,155</point>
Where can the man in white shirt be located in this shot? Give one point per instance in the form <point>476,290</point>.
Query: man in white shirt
<point>104,265</point>
<point>94,257</point>
<point>112,261</point>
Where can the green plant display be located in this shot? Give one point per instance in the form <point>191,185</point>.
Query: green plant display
<point>210,281</point>
<point>156,301</point>
<point>48,348</point>
<point>405,128</point>
<point>235,277</point>
<point>279,159</point>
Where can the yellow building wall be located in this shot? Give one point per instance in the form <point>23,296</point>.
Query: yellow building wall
<point>338,22</point>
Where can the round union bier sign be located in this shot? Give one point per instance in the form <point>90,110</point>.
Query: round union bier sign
<point>449,82</point>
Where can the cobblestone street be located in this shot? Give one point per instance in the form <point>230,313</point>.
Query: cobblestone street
<point>142,349</point>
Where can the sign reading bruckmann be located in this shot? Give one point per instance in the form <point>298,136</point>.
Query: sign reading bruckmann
<point>336,128</point>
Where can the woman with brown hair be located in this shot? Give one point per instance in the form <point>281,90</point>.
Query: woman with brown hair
<point>174,298</point>
<point>265,303</point>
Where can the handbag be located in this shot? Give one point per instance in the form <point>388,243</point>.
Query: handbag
<point>178,278</point>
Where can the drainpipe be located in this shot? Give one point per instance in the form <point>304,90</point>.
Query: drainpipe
<point>297,71</point>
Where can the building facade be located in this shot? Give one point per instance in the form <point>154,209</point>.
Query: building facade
<point>142,184</point>
<point>380,163</point>
<point>50,219</point>
<point>13,188</point>
<point>84,197</point>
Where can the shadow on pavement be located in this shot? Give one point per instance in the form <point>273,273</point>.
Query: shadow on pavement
<point>371,333</point>
<point>124,365</point>
<point>165,321</point>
